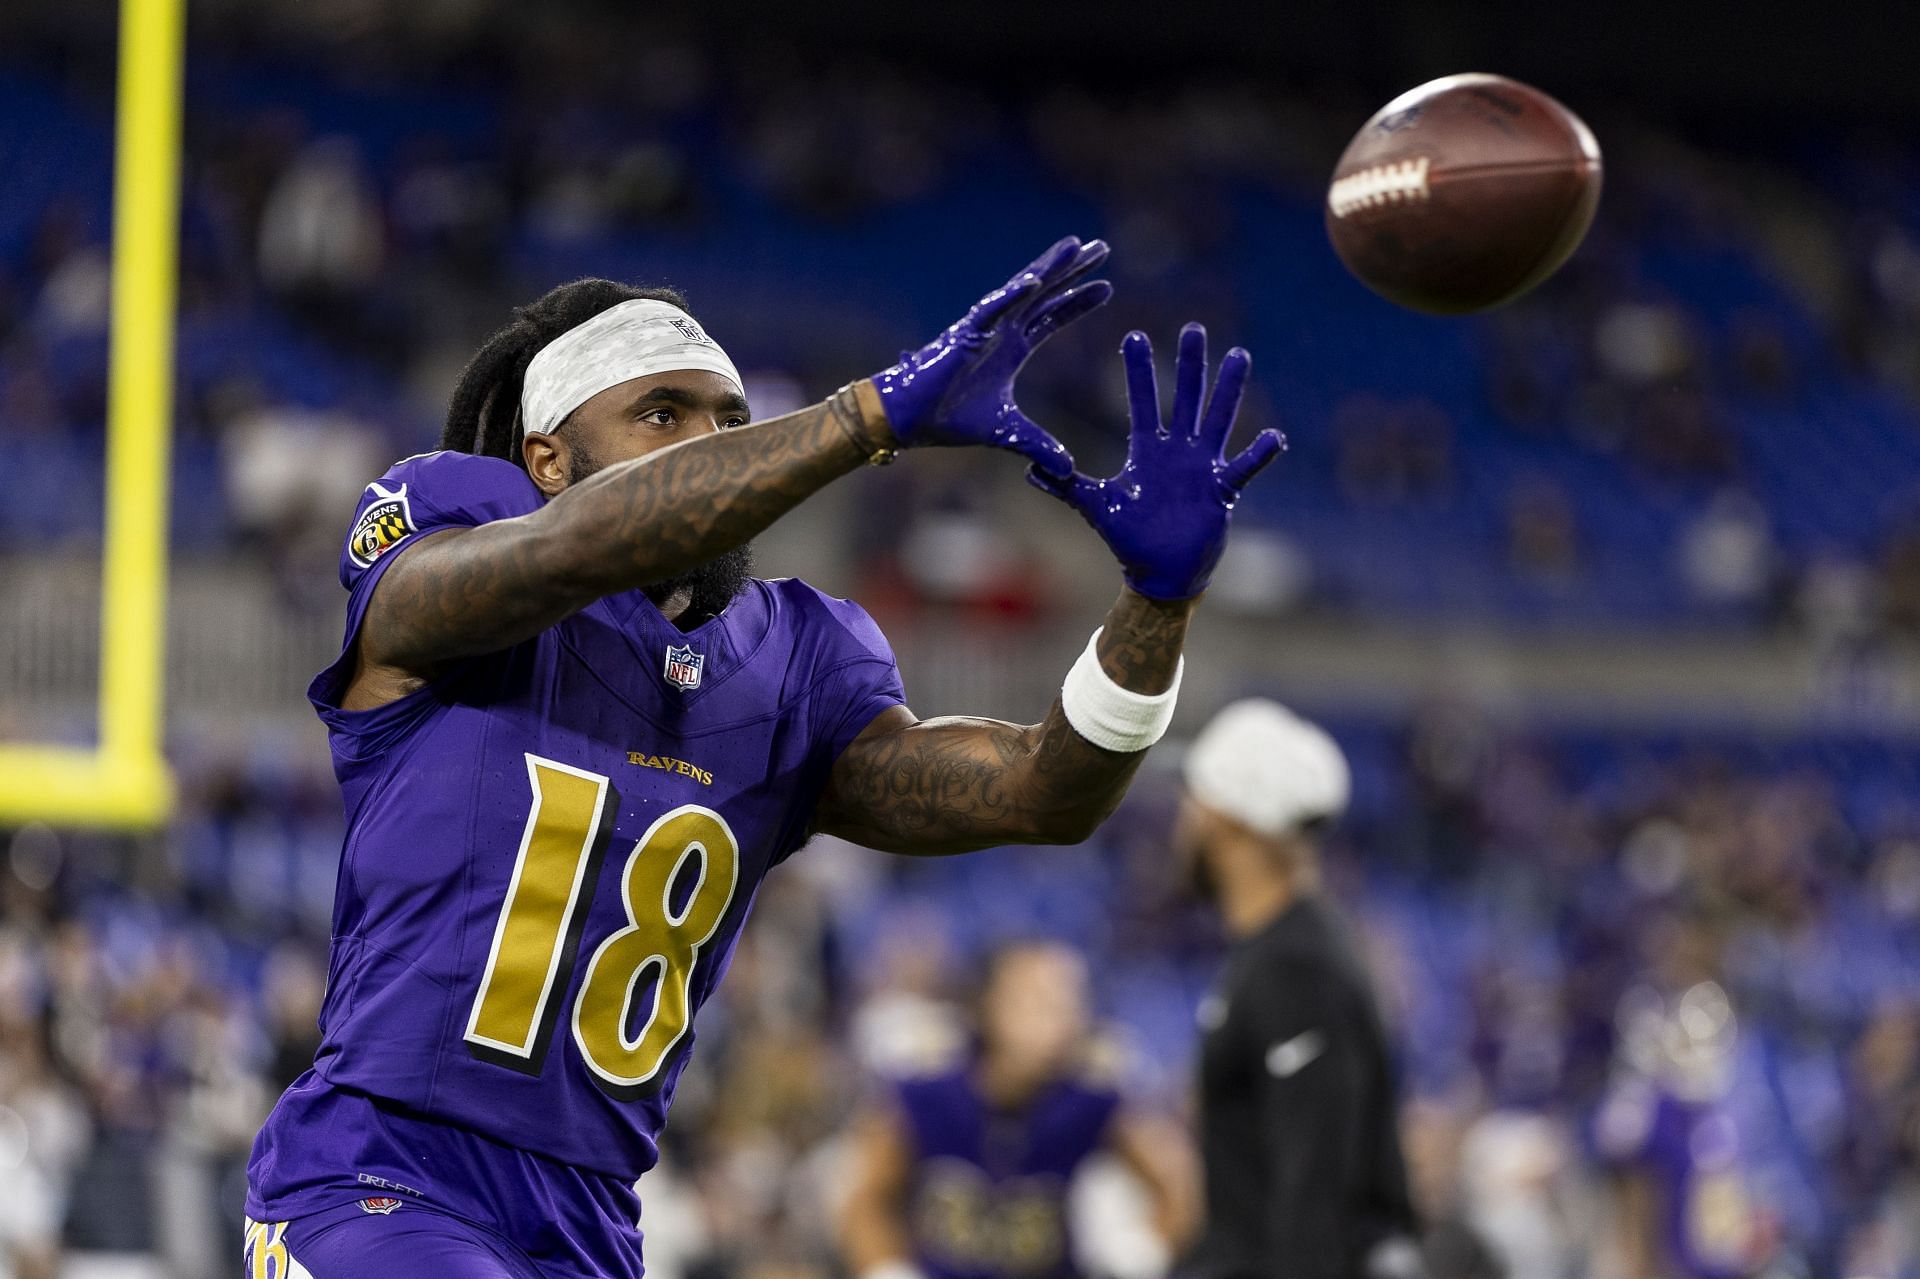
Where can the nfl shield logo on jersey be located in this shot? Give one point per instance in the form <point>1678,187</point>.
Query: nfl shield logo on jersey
<point>381,1204</point>
<point>683,667</point>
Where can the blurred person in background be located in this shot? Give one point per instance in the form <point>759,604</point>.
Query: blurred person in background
<point>1881,1158</point>
<point>1705,1182</point>
<point>964,1172</point>
<point>43,1135</point>
<point>1522,1195</point>
<point>1299,1108</point>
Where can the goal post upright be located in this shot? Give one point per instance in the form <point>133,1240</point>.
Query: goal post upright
<point>124,782</point>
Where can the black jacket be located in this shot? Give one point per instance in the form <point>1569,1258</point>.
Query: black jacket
<point>1299,1125</point>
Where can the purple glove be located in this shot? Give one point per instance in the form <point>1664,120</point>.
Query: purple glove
<point>1165,515</point>
<point>958,389</point>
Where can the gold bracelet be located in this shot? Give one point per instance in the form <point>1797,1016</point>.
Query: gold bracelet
<point>851,419</point>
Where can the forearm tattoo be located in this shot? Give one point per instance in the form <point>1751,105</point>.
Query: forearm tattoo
<point>478,590</point>
<point>1140,643</point>
<point>952,785</point>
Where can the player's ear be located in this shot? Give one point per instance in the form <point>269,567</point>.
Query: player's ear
<point>545,457</point>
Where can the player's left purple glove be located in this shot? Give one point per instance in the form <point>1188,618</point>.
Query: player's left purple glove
<point>958,388</point>
<point>1165,514</point>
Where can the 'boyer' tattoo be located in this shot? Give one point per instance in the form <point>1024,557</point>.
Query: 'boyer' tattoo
<point>951,785</point>
<point>933,786</point>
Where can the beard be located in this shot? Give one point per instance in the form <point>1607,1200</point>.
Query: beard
<point>710,586</point>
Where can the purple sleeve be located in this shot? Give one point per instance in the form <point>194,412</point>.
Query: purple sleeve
<point>417,496</point>
<point>853,679</point>
<point>860,680</point>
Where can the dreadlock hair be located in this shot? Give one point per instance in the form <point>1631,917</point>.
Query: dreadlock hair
<point>484,417</point>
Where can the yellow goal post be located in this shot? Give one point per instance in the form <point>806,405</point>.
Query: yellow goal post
<point>123,781</point>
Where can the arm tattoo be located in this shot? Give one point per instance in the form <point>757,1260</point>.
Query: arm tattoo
<point>1140,644</point>
<point>468,591</point>
<point>952,785</point>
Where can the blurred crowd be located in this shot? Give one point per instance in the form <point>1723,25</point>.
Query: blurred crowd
<point>1658,1004</point>
<point>1708,418</point>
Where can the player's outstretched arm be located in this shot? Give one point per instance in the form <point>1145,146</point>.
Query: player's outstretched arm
<point>468,591</point>
<point>952,785</point>
<point>955,784</point>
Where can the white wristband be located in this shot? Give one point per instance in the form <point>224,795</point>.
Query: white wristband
<point>1112,717</point>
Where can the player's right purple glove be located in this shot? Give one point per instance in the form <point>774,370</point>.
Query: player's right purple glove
<point>1165,514</point>
<point>958,389</point>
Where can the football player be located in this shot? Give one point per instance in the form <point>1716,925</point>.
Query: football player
<point>573,735</point>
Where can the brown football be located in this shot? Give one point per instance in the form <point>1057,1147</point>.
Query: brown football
<point>1463,194</point>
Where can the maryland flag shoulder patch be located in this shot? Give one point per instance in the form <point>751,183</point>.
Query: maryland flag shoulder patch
<point>386,522</point>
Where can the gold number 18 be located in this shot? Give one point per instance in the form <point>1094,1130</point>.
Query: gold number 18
<point>538,932</point>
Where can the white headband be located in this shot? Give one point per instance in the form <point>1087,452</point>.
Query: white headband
<point>634,339</point>
<point>1265,767</point>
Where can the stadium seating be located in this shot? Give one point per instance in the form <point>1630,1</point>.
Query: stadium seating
<point>1831,456</point>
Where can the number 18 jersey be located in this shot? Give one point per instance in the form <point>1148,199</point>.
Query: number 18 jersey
<point>551,849</point>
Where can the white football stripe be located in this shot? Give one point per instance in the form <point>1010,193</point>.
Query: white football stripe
<point>1381,184</point>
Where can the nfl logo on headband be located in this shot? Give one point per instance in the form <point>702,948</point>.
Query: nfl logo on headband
<point>691,331</point>
<point>683,667</point>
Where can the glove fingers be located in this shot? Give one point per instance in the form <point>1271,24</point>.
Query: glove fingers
<point>991,309</point>
<point>1254,459</point>
<point>1059,271</point>
<point>1224,404</point>
<point>1082,264</point>
<point>1063,309</point>
<point>1030,440</point>
<point>1143,393</point>
<point>1065,261</point>
<point>1189,381</point>
<point>1049,264</point>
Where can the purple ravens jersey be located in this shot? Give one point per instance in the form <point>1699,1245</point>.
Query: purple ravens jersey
<point>550,852</point>
<point>989,1193</point>
<point>1710,1223</point>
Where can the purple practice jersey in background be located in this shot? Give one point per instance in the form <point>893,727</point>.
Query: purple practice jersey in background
<point>989,1192</point>
<point>1709,1225</point>
<point>550,851</point>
